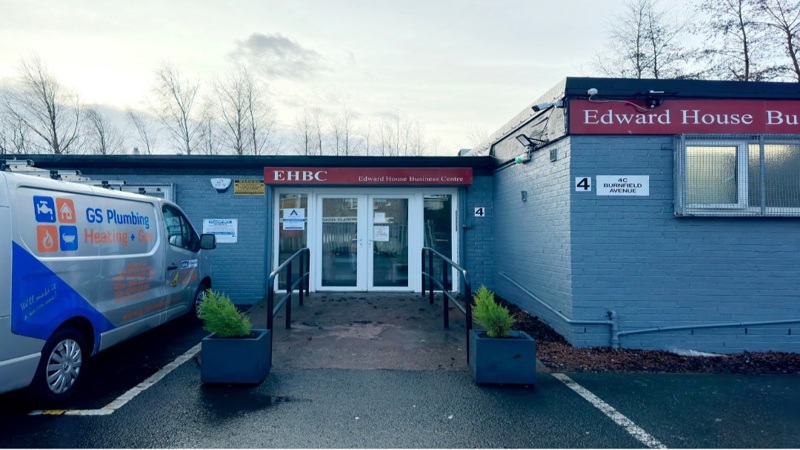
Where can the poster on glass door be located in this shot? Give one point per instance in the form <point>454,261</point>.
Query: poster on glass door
<point>294,219</point>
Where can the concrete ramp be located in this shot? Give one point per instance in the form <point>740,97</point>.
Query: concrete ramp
<point>400,331</point>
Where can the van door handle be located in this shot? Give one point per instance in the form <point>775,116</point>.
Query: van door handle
<point>172,266</point>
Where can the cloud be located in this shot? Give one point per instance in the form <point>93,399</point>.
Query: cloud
<point>278,56</point>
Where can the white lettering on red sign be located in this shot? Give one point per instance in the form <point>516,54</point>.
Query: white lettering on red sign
<point>696,117</point>
<point>300,175</point>
<point>778,118</point>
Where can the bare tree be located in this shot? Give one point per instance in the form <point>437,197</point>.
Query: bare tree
<point>415,142</point>
<point>476,135</point>
<point>644,42</point>
<point>738,48</point>
<point>303,134</point>
<point>174,103</point>
<point>402,135</point>
<point>46,108</point>
<point>146,136</point>
<point>247,116</point>
<point>261,117</point>
<point>317,132</point>
<point>386,137</point>
<point>102,137</point>
<point>232,106</point>
<point>783,16</point>
<point>208,131</point>
<point>14,135</point>
<point>363,147</point>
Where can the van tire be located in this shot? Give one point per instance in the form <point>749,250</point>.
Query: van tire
<point>63,357</point>
<point>198,297</point>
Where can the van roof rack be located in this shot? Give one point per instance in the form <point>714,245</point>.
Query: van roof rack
<point>26,167</point>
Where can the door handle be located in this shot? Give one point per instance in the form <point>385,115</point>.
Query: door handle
<point>172,266</point>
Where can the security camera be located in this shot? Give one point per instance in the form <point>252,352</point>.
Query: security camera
<point>542,106</point>
<point>592,92</point>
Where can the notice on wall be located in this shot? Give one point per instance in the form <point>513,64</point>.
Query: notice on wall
<point>249,187</point>
<point>226,230</point>
<point>294,219</point>
<point>635,185</point>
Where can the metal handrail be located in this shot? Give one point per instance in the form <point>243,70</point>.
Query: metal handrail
<point>304,257</point>
<point>447,297</point>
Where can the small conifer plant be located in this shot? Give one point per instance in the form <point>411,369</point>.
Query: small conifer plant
<point>220,316</point>
<point>494,318</point>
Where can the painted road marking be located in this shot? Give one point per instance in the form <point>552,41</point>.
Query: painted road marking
<point>120,401</point>
<point>632,429</point>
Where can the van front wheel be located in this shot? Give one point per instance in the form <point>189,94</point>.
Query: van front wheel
<point>60,366</point>
<point>198,298</point>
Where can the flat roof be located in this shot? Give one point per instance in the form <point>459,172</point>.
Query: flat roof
<point>480,164</point>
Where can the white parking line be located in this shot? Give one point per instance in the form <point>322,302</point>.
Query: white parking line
<point>120,401</point>
<point>632,429</point>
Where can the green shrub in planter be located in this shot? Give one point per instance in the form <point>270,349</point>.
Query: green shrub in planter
<point>220,316</point>
<point>510,360</point>
<point>234,352</point>
<point>494,318</point>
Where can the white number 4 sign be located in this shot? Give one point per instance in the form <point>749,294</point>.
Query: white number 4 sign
<point>583,184</point>
<point>480,211</point>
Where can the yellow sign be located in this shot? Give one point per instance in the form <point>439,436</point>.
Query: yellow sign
<point>248,187</point>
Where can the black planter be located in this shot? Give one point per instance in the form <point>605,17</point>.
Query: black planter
<point>509,360</point>
<point>235,360</point>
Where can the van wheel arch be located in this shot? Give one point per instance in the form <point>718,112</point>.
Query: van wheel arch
<point>62,363</point>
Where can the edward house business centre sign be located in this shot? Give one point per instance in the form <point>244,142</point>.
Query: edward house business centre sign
<point>685,116</point>
<point>403,176</point>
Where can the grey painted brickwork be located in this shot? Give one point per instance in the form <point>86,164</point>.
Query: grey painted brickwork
<point>585,254</point>
<point>237,269</point>
<point>478,237</point>
<point>532,237</point>
<point>631,254</point>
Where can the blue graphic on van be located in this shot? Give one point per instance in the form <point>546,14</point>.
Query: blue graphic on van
<point>45,208</point>
<point>68,238</point>
<point>41,301</point>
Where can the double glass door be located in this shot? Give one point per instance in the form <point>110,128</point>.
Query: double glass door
<point>364,242</point>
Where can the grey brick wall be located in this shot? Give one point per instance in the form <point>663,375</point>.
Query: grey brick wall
<point>532,238</point>
<point>478,237</point>
<point>238,269</point>
<point>631,254</point>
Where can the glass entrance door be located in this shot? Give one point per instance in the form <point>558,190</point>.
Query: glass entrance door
<point>363,242</point>
<point>389,241</point>
<point>342,236</point>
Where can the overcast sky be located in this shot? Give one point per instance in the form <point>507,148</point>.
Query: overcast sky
<point>455,66</point>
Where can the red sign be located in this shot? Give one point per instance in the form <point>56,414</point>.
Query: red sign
<point>411,176</point>
<point>685,116</point>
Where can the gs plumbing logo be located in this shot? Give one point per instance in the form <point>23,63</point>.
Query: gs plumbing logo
<point>59,212</point>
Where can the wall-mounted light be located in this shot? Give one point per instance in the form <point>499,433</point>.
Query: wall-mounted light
<point>548,105</point>
<point>527,141</point>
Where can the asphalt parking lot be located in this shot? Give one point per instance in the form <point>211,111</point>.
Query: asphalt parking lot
<point>393,402</point>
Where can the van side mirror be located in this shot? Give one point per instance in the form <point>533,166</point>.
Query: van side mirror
<point>208,241</point>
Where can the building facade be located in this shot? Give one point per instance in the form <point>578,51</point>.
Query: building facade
<point>654,214</point>
<point>365,220</point>
<point>651,214</point>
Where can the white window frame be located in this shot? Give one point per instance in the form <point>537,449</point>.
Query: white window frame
<point>742,206</point>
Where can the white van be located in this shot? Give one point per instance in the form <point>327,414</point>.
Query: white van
<point>83,268</point>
